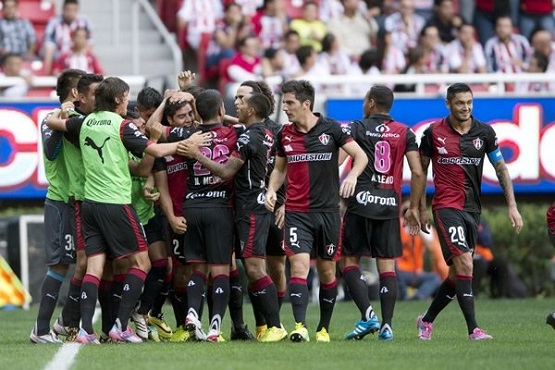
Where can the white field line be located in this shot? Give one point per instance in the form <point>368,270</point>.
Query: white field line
<point>66,355</point>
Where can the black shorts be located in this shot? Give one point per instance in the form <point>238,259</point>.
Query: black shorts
<point>113,229</point>
<point>209,235</point>
<point>58,237</point>
<point>154,230</point>
<point>363,236</point>
<point>457,231</point>
<point>177,245</point>
<point>274,245</point>
<point>76,224</point>
<point>252,235</point>
<point>315,233</point>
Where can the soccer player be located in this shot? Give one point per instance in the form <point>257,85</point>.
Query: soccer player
<point>371,223</point>
<point>457,146</point>
<point>148,100</point>
<point>308,156</point>
<point>59,245</point>
<point>207,209</point>
<point>248,163</point>
<point>68,321</point>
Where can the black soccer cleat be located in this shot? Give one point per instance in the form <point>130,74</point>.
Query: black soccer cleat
<point>242,334</point>
<point>550,320</point>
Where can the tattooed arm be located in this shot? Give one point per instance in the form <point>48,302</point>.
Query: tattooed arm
<point>506,184</point>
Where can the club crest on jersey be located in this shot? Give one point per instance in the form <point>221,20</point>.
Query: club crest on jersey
<point>478,143</point>
<point>324,139</point>
<point>330,249</point>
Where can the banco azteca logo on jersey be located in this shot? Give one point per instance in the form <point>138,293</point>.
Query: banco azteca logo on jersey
<point>478,143</point>
<point>382,128</point>
<point>324,139</point>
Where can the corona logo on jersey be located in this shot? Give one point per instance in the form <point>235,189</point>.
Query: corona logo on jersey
<point>524,127</point>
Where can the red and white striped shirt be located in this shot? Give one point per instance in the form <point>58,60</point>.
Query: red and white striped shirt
<point>201,17</point>
<point>502,57</point>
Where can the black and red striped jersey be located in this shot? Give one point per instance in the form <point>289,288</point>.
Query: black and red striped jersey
<point>457,161</point>
<point>312,168</point>
<point>385,142</point>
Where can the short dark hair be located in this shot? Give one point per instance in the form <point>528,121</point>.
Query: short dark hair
<point>71,2</point>
<point>303,53</point>
<point>107,92</point>
<point>131,114</point>
<point>541,60</point>
<point>368,59</point>
<point>382,96</point>
<point>86,81</point>
<point>149,98</point>
<point>263,88</point>
<point>194,90</point>
<point>327,42</point>
<point>66,81</point>
<point>208,104</point>
<point>291,33</point>
<point>8,56</point>
<point>260,103</point>
<point>302,90</point>
<point>457,88</point>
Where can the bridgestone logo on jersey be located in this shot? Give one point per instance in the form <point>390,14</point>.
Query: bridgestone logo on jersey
<point>365,198</point>
<point>459,160</point>
<point>102,122</point>
<point>177,167</point>
<point>309,157</point>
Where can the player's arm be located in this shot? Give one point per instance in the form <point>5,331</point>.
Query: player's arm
<point>423,210</point>
<point>277,178</point>
<point>57,120</point>
<point>507,185</point>
<point>360,160</point>
<point>143,168</point>
<point>177,223</point>
<point>51,141</point>
<point>417,186</point>
<point>225,171</point>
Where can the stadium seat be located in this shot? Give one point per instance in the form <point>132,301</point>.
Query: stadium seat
<point>35,12</point>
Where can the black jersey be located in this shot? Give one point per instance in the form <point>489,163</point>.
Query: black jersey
<point>457,162</point>
<point>253,147</point>
<point>385,142</point>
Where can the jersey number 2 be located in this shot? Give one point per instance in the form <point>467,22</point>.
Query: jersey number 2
<point>218,154</point>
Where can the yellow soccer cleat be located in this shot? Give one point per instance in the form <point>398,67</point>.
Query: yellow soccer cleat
<point>274,334</point>
<point>164,330</point>
<point>260,331</point>
<point>180,335</point>
<point>322,336</point>
<point>300,334</point>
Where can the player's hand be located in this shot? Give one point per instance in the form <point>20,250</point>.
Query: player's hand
<point>178,224</point>
<point>280,216</point>
<point>180,96</point>
<point>190,147</point>
<point>65,108</point>
<point>155,131</point>
<point>348,187</point>
<point>200,139</point>
<point>169,92</point>
<point>271,198</point>
<point>412,220</point>
<point>185,79</point>
<point>516,219</point>
<point>150,195</point>
<point>425,225</point>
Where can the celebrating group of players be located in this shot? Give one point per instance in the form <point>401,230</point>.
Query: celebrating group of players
<point>250,189</point>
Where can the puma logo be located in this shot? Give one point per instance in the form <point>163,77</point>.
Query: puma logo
<point>92,144</point>
<point>442,139</point>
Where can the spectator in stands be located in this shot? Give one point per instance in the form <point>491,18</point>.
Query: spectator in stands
<point>248,7</point>
<point>410,266</point>
<point>354,32</point>
<point>507,51</point>
<point>434,49</point>
<point>330,9</point>
<point>228,31</point>
<point>273,63</point>
<point>424,8</point>
<point>417,65</point>
<point>537,64</point>
<point>536,14</point>
<point>333,57</point>
<point>404,26</point>
<point>486,14</point>
<point>12,66</point>
<point>541,42</point>
<point>17,35</point>
<point>392,59</point>
<point>270,23</point>
<point>465,54</point>
<point>197,17</point>
<point>311,30</point>
<point>80,56</point>
<point>291,43</point>
<point>446,20</point>
<point>368,65</point>
<point>58,32</point>
<point>504,281</point>
<point>246,64</point>
<point>308,60</point>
